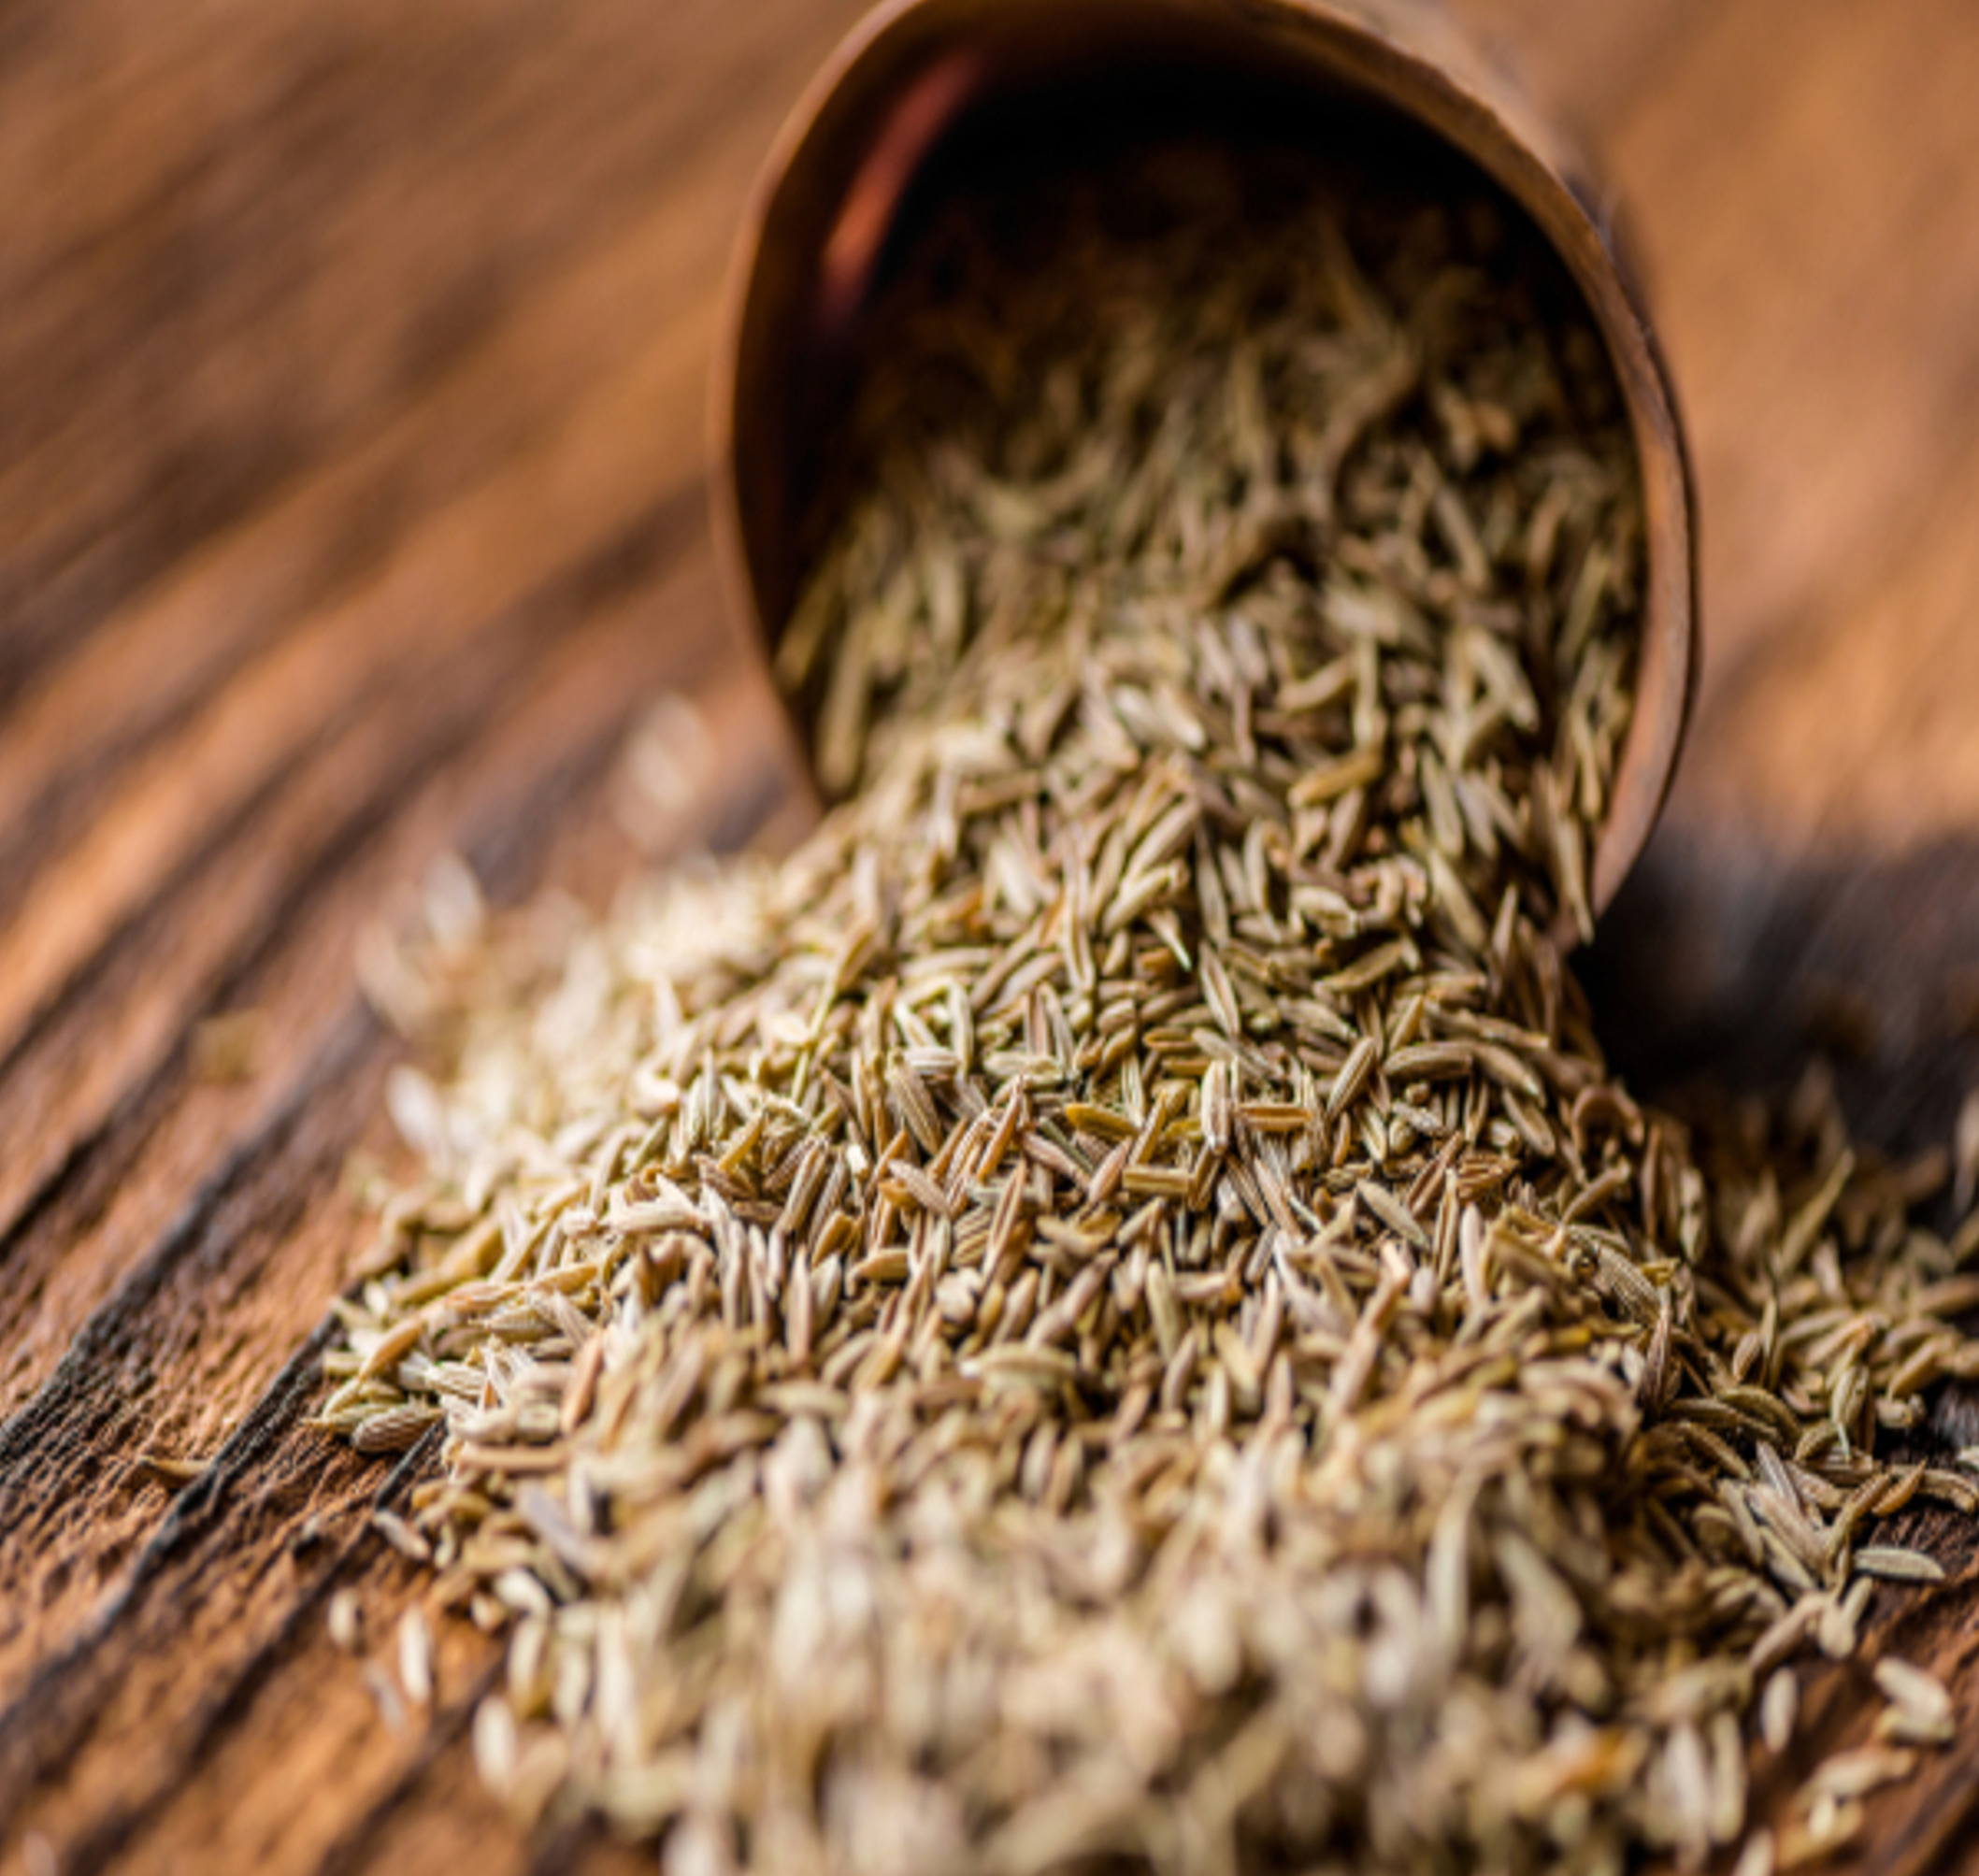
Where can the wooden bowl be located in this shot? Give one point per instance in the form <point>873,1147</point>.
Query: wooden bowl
<point>876,118</point>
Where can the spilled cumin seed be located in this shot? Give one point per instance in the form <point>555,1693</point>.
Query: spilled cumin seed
<point>1107,1310</point>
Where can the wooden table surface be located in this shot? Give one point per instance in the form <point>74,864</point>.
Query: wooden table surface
<point>352,369</point>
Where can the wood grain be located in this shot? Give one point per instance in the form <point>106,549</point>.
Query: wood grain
<point>352,367</point>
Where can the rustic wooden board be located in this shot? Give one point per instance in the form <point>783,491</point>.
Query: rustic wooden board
<point>352,366</point>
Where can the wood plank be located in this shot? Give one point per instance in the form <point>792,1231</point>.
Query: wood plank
<point>1585,65</point>
<point>1801,177</point>
<point>391,666</point>
<point>305,213</point>
<point>346,524</point>
<point>349,511</point>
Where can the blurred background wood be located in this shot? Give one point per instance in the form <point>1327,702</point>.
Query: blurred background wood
<point>352,367</point>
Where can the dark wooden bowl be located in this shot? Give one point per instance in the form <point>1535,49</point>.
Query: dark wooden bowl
<point>878,114</point>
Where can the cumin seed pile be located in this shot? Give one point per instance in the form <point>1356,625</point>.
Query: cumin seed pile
<point>1106,1314</point>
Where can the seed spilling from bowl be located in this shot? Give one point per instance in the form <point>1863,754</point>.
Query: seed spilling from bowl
<point>1107,1310</point>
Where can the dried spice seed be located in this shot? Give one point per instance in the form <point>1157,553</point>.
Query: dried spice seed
<point>1108,1308</point>
<point>347,1621</point>
<point>168,1471</point>
<point>415,1658</point>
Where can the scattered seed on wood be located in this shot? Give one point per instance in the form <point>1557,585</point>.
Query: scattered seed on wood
<point>1109,1306</point>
